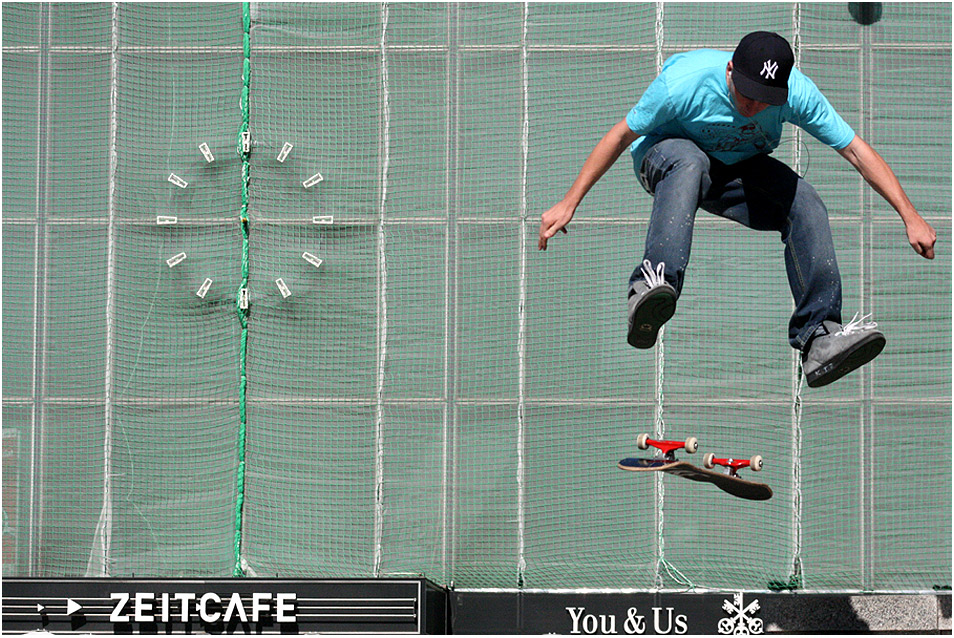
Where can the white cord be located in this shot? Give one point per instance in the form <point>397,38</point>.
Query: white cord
<point>654,277</point>
<point>857,325</point>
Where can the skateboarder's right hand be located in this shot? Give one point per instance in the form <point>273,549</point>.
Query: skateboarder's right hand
<point>555,220</point>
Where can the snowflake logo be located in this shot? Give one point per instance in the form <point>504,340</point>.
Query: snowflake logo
<point>740,621</point>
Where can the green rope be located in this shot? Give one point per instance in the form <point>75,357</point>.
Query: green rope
<point>244,151</point>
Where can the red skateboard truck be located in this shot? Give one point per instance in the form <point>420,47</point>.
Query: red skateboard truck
<point>732,466</point>
<point>668,448</point>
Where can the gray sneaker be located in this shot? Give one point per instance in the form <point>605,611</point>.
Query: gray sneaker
<point>838,350</point>
<point>652,302</point>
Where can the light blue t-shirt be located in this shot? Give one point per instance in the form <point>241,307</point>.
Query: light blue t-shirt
<point>690,99</point>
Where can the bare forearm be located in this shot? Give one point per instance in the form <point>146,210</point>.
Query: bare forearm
<point>880,177</point>
<point>603,156</point>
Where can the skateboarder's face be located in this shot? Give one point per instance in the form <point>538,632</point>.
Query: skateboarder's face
<point>745,106</point>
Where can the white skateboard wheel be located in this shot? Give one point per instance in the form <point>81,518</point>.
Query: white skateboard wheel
<point>707,461</point>
<point>641,441</point>
<point>692,445</point>
<point>755,463</point>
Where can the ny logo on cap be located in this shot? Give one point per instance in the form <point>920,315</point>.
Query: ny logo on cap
<point>768,70</point>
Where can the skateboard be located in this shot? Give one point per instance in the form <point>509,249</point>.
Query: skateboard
<point>727,481</point>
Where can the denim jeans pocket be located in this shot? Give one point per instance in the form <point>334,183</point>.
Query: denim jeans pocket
<point>647,169</point>
<point>652,169</point>
<point>643,181</point>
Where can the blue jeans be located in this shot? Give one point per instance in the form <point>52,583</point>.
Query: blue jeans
<point>761,193</point>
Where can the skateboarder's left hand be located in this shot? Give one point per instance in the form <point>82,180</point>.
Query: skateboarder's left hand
<point>921,236</point>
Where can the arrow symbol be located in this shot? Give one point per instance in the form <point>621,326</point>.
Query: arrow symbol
<point>72,607</point>
<point>40,608</point>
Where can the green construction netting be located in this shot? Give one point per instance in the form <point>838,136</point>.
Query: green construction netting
<point>437,397</point>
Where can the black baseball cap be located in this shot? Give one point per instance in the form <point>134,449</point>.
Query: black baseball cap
<point>761,65</point>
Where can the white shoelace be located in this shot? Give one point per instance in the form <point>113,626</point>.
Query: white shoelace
<point>654,278</point>
<point>857,325</point>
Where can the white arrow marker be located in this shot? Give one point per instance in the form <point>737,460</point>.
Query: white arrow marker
<point>40,608</point>
<point>72,607</point>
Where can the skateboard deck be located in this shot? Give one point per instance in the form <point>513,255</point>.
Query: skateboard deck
<point>734,486</point>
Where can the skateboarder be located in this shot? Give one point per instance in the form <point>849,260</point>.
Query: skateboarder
<point>701,136</point>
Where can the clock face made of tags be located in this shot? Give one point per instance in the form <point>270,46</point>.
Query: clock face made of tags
<point>244,297</point>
